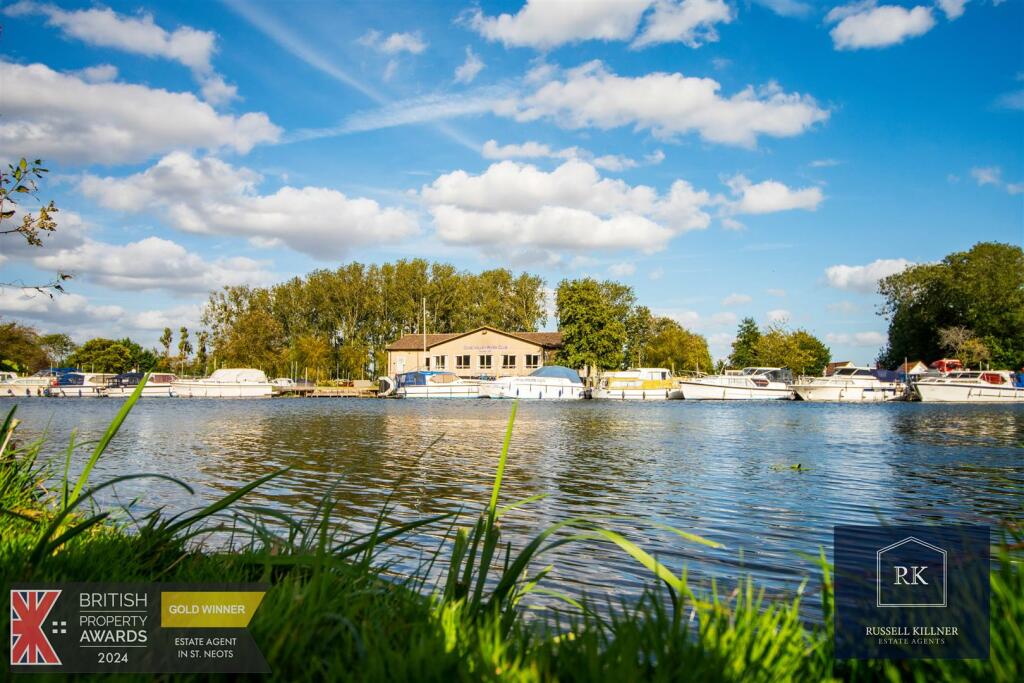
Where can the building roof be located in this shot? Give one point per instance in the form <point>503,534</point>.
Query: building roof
<point>910,365</point>
<point>414,342</point>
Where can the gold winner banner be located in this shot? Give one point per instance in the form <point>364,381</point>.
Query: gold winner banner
<point>134,628</point>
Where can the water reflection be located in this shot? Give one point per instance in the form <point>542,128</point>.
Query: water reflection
<point>722,470</point>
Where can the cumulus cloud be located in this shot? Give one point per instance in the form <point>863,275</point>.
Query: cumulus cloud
<point>667,104</point>
<point>735,299</point>
<point>536,150</point>
<point>864,278</point>
<point>394,44</point>
<point>470,68</point>
<point>993,175</point>
<point>157,319</point>
<point>865,25</point>
<point>153,263</point>
<point>778,315</point>
<point>571,207</point>
<point>953,9</point>
<point>63,117</point>
<point>776,292</point>
<point>787,8</point>
<point>724,318</point>
<point>546,24</point>
<point>209,196</point>
<point>139,34</point>
<point>871,339</point>
<point>66,309</point>
<point>101,73</point>
<point>770,196</point>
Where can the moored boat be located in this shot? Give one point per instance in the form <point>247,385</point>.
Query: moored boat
<point>850,384</point>
<point>429,384</point>
<point>79,385</point>
<point>748,384</point>
<point>11,385</point>
<point>638,384</point>
<point>550,382</point>
<point>123,385</point>
<point>225,383</point>
<point>989,386</point>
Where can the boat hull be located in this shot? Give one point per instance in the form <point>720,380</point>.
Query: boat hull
<point>633,394</point>
<point>439,391</point>
<point>72,391</point>
<point>702,391</point>
<point>539,391</point>
<point>222,390</point>
<point>148,391</point>
<point>968,393</point>
<point>848,394</point>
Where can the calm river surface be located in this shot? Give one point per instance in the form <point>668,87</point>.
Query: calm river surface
<point>721,470</point>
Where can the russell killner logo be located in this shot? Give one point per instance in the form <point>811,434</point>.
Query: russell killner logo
<point>911,573</point>
<point>29,610</point>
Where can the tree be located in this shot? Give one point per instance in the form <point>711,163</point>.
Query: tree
<point>981,289</point>
<point>103,355</point>
<point>165,340</point>
<point>672,346</point>
<point>256,340</point>
<point>639,330</point>
<point>313,354</point>
<point>591,322</point>
<point>21,348</point>
<point>744,348</point>
<point>20,179</point>
<point>201,340</point>
<point>184,345</point>
<point>57,347</point>
<point>964,344</point>
<point>800,351</point>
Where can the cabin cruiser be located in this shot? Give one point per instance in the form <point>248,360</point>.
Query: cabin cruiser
<point>990,386</point>
<point>639,384</point>
<point>850,384</point>
<point>747,384</point>
<point>225,383</point>
<point>79,385</point>
<point>550,382</point>
<point>35,385</point>
<point>123,385</point>
<point>429,384</point>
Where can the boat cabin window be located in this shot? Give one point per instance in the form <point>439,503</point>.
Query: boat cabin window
<point>864,373</point>
<point>508,361</point>
<point>845,372</point>
<point>532,360</point>
<point>485,362</point>
<point>461,362</point>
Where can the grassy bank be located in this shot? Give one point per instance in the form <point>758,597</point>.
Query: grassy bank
<point>334,610</point>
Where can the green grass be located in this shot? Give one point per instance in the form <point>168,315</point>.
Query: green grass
<point>336,611</point>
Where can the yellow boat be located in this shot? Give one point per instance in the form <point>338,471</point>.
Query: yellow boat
<point>637,384</point>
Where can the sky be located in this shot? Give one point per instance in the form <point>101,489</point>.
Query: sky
<point>725,158</point>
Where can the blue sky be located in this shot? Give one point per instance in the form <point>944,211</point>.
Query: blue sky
<point>769,158</point>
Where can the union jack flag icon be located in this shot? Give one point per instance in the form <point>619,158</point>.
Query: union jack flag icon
<point>29,644</point>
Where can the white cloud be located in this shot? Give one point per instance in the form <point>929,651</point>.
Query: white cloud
<point>691,22</point>
<point>724,318</point>
<point>865,25</point>
<point>864,278</point>
<point>65,309</point>
<point>667,104</point>
<point>735,299</point>
<point>153,263</point>
<point>157,319</point>
<point>101,73</point>
<point>103,27</point>
<point>778,315</point>
<point>770,196</point>
<point>571,207</point>
<point>993,175</point>
<point>395,43</point>
<point>843,307</point>
<point>871,339</point>
<point>62,117</point>
<point>824,163</point>
<point>470,68</point>
<point>776,292</point>
<point>209,196</point>
<point>953,9</point>
<point>624,269</point>
<point>537,150</point>
<point>787,8</point>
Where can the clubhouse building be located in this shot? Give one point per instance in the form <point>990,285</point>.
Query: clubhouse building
<point>483,351</point>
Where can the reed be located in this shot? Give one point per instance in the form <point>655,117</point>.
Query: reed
<point>336,609</point>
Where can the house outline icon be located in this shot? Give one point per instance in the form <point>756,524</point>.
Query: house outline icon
<point>878,573</point>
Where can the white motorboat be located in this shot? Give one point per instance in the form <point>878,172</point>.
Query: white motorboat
<point>850,384</point>
<point>79,385</point>
<point>225,383</point>
<point>748,384</point>
<point>990,386</point>
<point>123,385</point>
<point>639,384</point>
<point>11,385</point>
<point>429,384</point>
<point>550,382</point>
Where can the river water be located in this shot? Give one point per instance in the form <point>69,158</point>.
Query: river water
<point>722,470</point>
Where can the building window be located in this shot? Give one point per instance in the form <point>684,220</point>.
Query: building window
<point>508,362</point>
<point>428,362</point>
<point>532,361</point>
<point>485,362</point>
<point>439,362</point>
<point>461,362</point>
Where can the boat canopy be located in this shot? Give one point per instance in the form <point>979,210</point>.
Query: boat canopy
<point>421,378</point>
<point>236,375</point>
<point>559,372</point>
